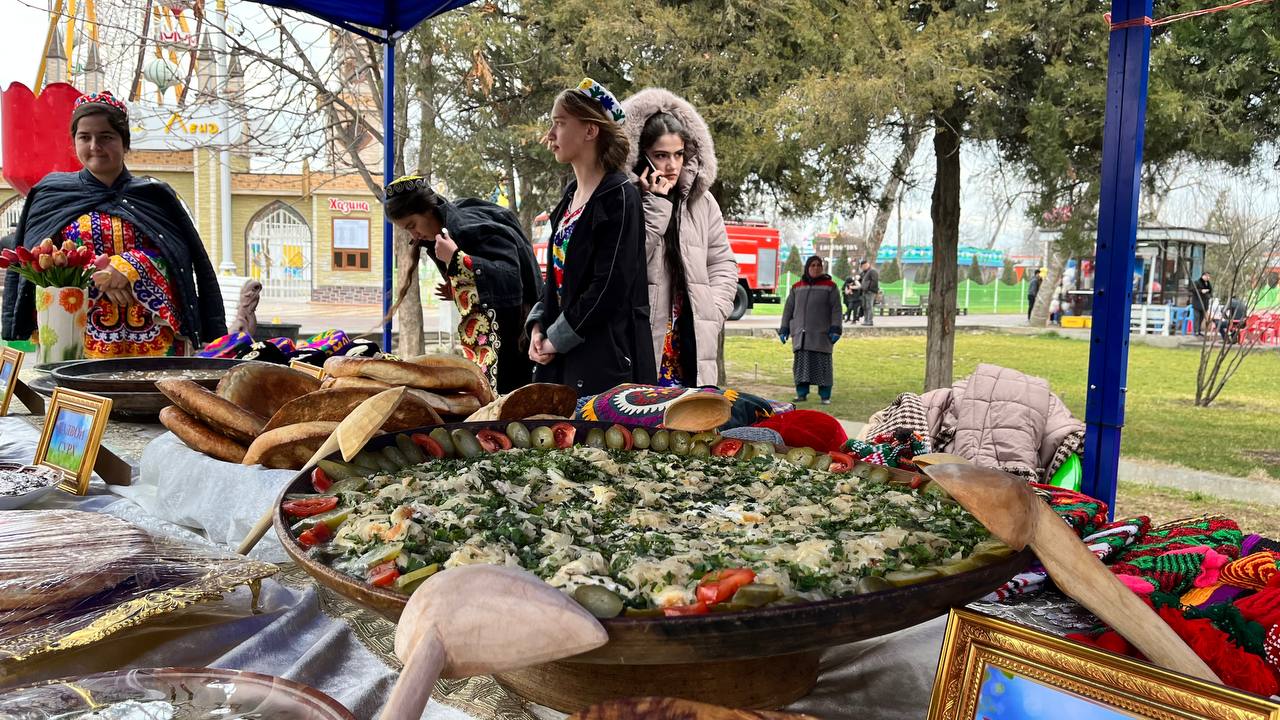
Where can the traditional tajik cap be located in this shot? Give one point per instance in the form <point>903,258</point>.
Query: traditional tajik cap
<point>601,94</point>
<point>102,98</point>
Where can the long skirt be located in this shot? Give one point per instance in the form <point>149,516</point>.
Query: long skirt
<point>812,367</point>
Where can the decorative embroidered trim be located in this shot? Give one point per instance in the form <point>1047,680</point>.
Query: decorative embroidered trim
<point>601,94</point>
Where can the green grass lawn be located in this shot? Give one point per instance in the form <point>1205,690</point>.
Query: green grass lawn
<point>1239,435</point>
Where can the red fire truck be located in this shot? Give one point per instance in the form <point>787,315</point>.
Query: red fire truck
<point>755,246</point>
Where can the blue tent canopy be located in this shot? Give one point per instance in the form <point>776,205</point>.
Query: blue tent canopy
<point>392,18</point>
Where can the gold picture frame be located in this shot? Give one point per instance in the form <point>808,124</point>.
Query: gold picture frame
<point>989,663</point>
<point>72,435</point>
<point>308,368</point>
<point>10,364</point>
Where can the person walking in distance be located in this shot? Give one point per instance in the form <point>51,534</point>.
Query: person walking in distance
<point>852,297</point>
<point>812,319</point>
<point>1032,291</point>
<point>870,280</point>
<point>1201,296</point>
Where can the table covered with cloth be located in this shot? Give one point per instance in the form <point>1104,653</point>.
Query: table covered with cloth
<point>304,632</point>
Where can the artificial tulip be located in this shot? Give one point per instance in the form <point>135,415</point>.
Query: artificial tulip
<point>44,262</point>
<point>9,255</point>
<point>102,262</point>
<point>59,259</point>
<point>4,263</point>
<point>68,246</point>
<point>46,245</point>
<point>24,255</point>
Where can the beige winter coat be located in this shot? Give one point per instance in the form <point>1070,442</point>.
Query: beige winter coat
<point>711,272</point>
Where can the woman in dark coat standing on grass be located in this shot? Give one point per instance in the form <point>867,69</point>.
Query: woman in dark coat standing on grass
<point>812,321</point>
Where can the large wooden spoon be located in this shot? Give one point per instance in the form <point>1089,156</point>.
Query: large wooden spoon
<point>1013,513</point>
<point>350,436</point>
<point>479,620</point>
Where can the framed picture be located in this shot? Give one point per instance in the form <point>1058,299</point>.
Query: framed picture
<point>308,368</point>
<point>994,670</point>
<point>10,363</point>
<point>72,435</point>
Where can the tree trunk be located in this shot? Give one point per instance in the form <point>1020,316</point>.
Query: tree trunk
<point>1055,266</point>
<point>945,213</point>
<point>409,316</point>
<point>892,189</point>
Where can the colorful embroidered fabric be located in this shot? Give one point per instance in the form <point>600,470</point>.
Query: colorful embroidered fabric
<point>560,246</point>
<point>332,342</point>
<point>893,449</point>
<point>226,346</point>
<point>103,98</point>
<point>1084,514</point>
<point>645,405</point>
<point>608,102</point>
<point>1252,572</point>
<point>670,372</point>
<point>478,328</point>
<point>147,327</point>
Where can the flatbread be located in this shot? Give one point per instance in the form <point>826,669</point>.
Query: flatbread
<point>334,404</point>
<point>483,391</point>
<point>461,405</point>
<point>263,388</point>
<point>201,437</point>
<point>289,447</point>
<point>397,373</point>
<point>356,382</point>
<point>537,399</point>
<point>220,414</point>
<point>98,552</point>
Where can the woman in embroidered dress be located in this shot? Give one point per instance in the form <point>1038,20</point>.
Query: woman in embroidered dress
<point>489,270</point>
<point>693,276</point>
<point>590,331</point>
<point>160,295</point>
<point>812,320</point>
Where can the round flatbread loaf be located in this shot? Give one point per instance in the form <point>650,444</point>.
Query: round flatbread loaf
<point>220,414</point>
<point>263,388</point>
<point>396,373</point>
<point>289,447</point>
<point>334,404</point>
<point>483,392</point>
<point>99,551</point>
<point>538,399</point>
<point>201,437</point>
<point>357,382</point>
<point>461,405</point>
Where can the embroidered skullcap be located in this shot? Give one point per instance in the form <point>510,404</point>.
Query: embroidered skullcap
<point>102,98</point>
<point>601,94</point>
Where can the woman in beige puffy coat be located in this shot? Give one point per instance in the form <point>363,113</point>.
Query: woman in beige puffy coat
<point>693,276</point>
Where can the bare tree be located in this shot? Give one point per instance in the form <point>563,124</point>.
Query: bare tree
<point>894,185</point>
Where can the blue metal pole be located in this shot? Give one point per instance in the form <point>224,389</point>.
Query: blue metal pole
<point>1127,68</point>
<point>388,174</point>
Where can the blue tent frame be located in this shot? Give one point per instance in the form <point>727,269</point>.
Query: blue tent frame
<point>1127,70</point>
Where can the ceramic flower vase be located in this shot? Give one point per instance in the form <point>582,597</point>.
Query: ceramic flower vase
<point>61,314</point>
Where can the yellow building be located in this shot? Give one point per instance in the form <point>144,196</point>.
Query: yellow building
<point>283,225</point>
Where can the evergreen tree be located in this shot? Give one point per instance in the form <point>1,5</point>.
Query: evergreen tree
<point>891,273</point>
<point>793,264</point>
<point>1008,276</point>
<point>975,270</point>
<point>842,268</point>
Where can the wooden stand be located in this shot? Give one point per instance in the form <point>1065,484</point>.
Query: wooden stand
<point>758,683</point>
<point>33,400</point>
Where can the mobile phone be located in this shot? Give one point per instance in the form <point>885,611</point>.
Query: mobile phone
<point>645,162</point>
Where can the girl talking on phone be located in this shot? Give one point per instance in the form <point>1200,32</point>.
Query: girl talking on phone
<point>591,329</point>
<point>693,276</point>
<point>488,267</point>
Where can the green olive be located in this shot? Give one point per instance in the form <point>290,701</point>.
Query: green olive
<point>599,601</point>
<point>441,436</point>
<point>466,443</point>
<point>756,595</point>
<point>395,457</point>
<point>644,613</point>
<point>700,450</point>
<point>366,463</point>
<point>543,438</point>
<point>614,438</point>
<point>862,469</point>
<point>661,441</point>
<point>801,456</point>
<point>519,435</point>
<point>899,578</point>
<point>595,438</point>
<point>340,470</point>
<point>879,474</point>
<point>993,546</point>
<point>377,459</point>
<point>640,439</point>
<point>709,438</point>
<point>410,449</point>
<point>962,565</point>
<point>873,583</point>
<point>763,449</point>
<point>681,441</point>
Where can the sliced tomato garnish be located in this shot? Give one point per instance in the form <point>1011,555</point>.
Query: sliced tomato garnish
<point>719,586</point>
<point>698,608</point>
<point>306,507</point>
<point>492,440</point>
<point>629,442</point>
<point>318,535</point>
<point>840,462</point>
<point>428,444</point>
<point>727,447</point>
<point>385,574</point>
<point>918,482</point>
<point>320,480</point>
<point>563,433</point>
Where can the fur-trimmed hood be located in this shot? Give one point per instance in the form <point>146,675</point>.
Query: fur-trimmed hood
<point>700,150</point>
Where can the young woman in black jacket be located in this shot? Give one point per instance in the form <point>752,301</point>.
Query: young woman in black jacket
<point>590,331</point>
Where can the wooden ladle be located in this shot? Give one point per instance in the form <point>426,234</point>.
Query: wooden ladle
<point>1013,513</point>
<point>479,620</point>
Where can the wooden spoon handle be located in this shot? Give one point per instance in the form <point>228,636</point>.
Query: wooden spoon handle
<point>1082,576</point>
<point>418,678</point>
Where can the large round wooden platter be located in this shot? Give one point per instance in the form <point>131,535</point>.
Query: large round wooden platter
<point>132,375</point>
<point>762,658</point>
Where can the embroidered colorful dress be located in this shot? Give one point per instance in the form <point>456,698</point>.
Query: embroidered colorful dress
<point>147,327</point>
<point>560,246</point>
<point>478,329</point>
<point>671,373</point>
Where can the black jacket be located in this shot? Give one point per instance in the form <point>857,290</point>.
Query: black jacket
<point>870,281</point>
<point>506,272</point>
<point>1201,293</point>
<point>600,326</point>
<point>153,208</point>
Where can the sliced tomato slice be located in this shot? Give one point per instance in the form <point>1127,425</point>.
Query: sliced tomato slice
<point>318,535</point>
<point>306,507</point>
<point>840,462</point>
<point>698,608</point>
<point>728,447</point>
<point>385,574</point>
<point>428,444</point>
<point>320,480</point>
<point>492,440</point>
<point>629,442</point>
<point>719,586</point>
<point>563,433</point>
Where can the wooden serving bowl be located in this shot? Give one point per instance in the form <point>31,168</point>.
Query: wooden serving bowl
<point>764,658</point>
